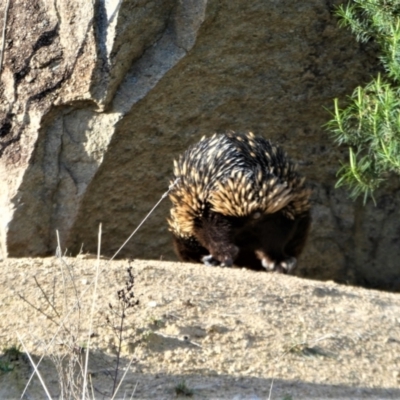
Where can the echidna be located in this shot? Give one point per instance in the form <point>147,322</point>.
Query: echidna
<point>239,200</point>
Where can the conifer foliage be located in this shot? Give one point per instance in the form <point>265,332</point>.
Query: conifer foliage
<point>370,123</point>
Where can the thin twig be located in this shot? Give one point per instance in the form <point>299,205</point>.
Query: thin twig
<point>30,379</point>
<point>134,390</point>
<point>37,309</point>
<point>60,257</point>
<point>123,377</point>
<point>3,35</point>
<point>64,265</point>
<point>145,218</point>
<point>54,289</point>
<point>91,313</point>
<point>125,302</point>
<point>270,388</point>
<point>34,366</point>
<point>91,386</point>
<point>119,348</point>
<point>46,297</point>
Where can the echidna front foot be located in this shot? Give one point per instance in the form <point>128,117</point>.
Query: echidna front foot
<point>288,265</point>
<point>284,267</point>
<point>210,261</point>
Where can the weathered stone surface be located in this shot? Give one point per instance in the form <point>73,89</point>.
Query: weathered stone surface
<point>98,98</point>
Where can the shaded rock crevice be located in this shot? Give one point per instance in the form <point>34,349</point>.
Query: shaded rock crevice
<point>69,150</point>
<point>177,38</point>
<point>123,34</point>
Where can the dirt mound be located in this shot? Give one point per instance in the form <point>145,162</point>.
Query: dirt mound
<point>201,331</point>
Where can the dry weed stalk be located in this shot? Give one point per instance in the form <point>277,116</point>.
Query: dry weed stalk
<point>72,369</point>
<point>68,354</point>
<point>117,316</point>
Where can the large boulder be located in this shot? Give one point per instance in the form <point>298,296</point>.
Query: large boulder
<point>98,98</point>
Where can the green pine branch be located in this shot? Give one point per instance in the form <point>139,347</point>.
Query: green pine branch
<point>370,123</point>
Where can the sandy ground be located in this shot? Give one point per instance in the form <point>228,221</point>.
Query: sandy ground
<point>214,333</point>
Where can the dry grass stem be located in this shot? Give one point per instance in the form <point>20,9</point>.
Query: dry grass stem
<point>77,303</point>
<point>35,367</point>
<point>92,312</point>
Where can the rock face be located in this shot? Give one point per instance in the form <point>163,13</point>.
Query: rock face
<point>98,98</point>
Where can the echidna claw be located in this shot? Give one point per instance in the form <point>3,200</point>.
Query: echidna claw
<point>227,263</point>
<point>210,261</point>
<point>289,265</point>
<point>284,267</point>
<point>268,264</point>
